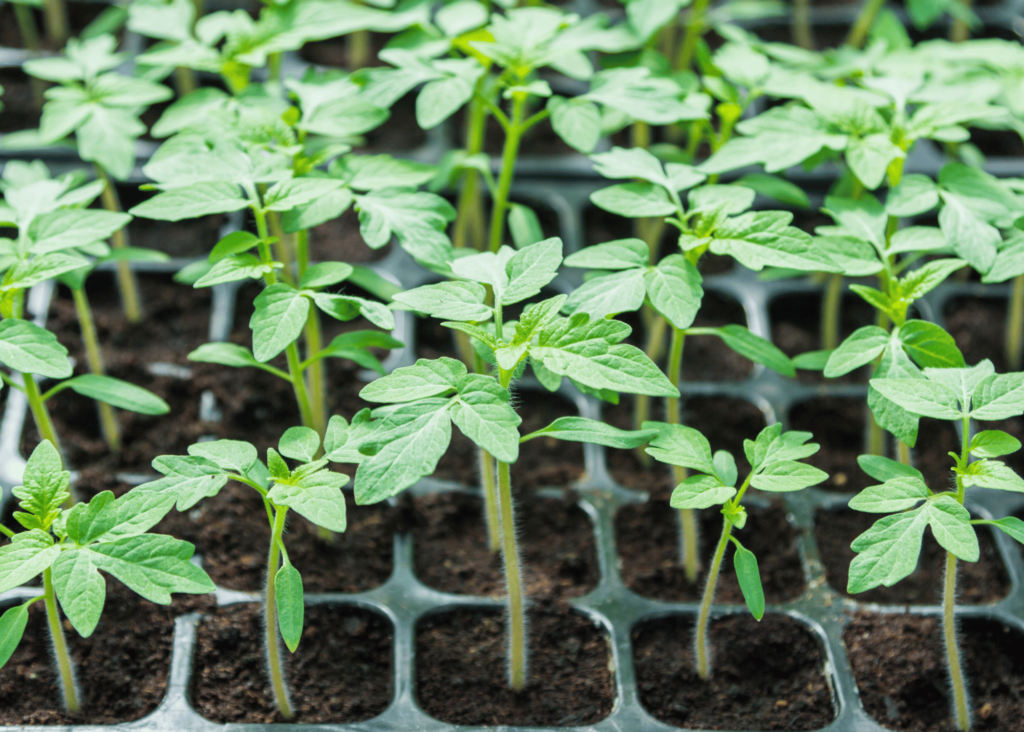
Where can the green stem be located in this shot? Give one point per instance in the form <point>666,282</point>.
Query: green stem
<point>317,380</point>
<point>469,222</point>
<point>185,81</point>
<point>1015,324</point>
<point>282,247</point>
<point>109,425</point>
<point>830,311</point>
<point>56,22</point>
<point>39,412</point>
<point>517,620</point>
<point>508,168</point>
<point>687,516</point>
<point>277,682</point>
<point>126,283</point>
<point>694,31</point>
<point>802,35</point>
<point>27,26</point>
<point>903,452</point>
<point>866,19</point>
<point>60,646</point>
<point>703,660</point>
<point>960,31</point>
<point>956,673</point>
<point>358,49</point>
<point>642,402</point>
<point>491,513</point>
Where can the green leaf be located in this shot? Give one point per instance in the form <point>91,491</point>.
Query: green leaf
<point>618,254</point>
<point>234,243</point>
<point>87,522</point>
<point>951,526</point>
<point>277,466</point>
<point>812,360</point>
<point>448,300</point>
<point>27,348</point>
<point>288,194</point>
<point>226,454</point>
<point>325,274</point>
<point>608,295</point>
<point>699,492</point>
<point>140,509</point>
<point>299,443</point>
<point>524,225</point>
<point>191,478</point>
<point>600,365</point>
<point>326,208</point>
<point>530,269</point>
<point>897,494</point>
<point>578,123</point>
<point>290,606</point>
<point>869,157</point>
<point>45,483</point>
<point>81,589</point>
<point>417,219</point>
<point>12,627</point>
<point>999,396</point>
<point>680,445</point>
<point>920,396</point>
<point>674,287</point>
<point>72,227</point>
<point>863,346</point>
<point>993,443</point>
<point>595,432</point>
<point>347,307</point>
<point>425,378</point>
<point>993,474</point>
<point>279,318</point>
<point>787,475</point>
<point>483,413</point>
<point>749,578</point>
<point>152,565</point>
<point>317,497</point>
<point>231,269</point>
<point>971,238</point>
<point>190,202</point>
<point>225,354</point>
<point>634,200</point>
<point>929,345</point>
<point>775,187</point>
<point>888,551</point>
<point>27,273</point>
<point>408,443</point>
<point>376,172</point>
<point>914,195</point>
<point>118,393</point>
<point>883,468</point>
<point>760,239</point>
<point>756,348</point>
<point>927,277</point>
<point>1011,526</point>
<point>725,467</point>
<point>28,554</point>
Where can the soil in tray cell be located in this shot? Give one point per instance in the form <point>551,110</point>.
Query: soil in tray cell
<point>900,665</point>
<point>556,547</point>
<point>191,238</point>
<point>725,421</point>
<point>399,132</point>
<point>602,227</point>
<point>121,668</point>
<point>20,111</point>
<point>462,670</point>
<point>79,16</point>
<point>764,676</point>
<point>176,321</point>
<point>339,240</point>
<point>648,540</point>
<point>837,424</point>
<point>978,324</point>
<point>341,671</point>
<point>935,440</point>
<point>543,462</point>
<point>335,51</point>
<point>980,582</point>
<point>232,534</point>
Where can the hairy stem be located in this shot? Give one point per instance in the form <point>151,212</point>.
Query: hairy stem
<point>491,514</point>
<point>469,221</point>
<point>830,311</point>
<point>40,413</point>
<point>694,31</point>
<point>126,284</point>
<point>517,620</point>
<point>859,32</point>
<point>508,169</point>
<point>109,425</point>
<point>687,516</point>
<point>703,660</point>
<point>60,646</point>
<point>1015,324</point>
<point>956,673</point>
<point>56,14</point>
<point>277,682</point>
<point>642,402</point>
<point>903,452</point>
<point>282,247</point>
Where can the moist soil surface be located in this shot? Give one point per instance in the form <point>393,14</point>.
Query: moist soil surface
<point>191,238</point>
<point>341,671</point>
<point>122,668</point>
<point>648,541</point>
<point>900,665</point>
<point>978,324</point>
<point>725,421</point>
<point>556,547</point>
<point>462,669</point>
<point>339,240</point>
<point>20,111</point>
<point>978,582</point>
<point>79,16</point>
<point>764,676</point>
<point>837,424</point>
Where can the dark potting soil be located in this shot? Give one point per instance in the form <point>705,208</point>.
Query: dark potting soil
<point>122,668</point>
<point>543,461</point>
<point>339,240</point>
<point>796,329</point>
<point>399,132</point>
<point>725,421</point>
<point>177,321</point>
<point>978,324</point>
<point>978,582</point>
<point>232,534</point>
<point>997,143</point>
<point>461,669</point>
<point>900,665</point>
<point>179,239</point>
<point>539,141</point>
<point>556,547</point>
<point>20,110</point>
<point>79,16</point>
<point>601,227</point>
<point>334,51</point>
<point>341,671</point>
<point>648,541</point>
<point>764,676</point>
<point>837,424</point>
<point>935,440</point>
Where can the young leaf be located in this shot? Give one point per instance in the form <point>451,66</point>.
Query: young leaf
<point>749,578</point>
<point>999,396</point>
<point>993,443</point>
<point>226,454</point>
<point>1011,526</point>
<point>12,627</point>
<point>118,393</point>
<point>234,243</point>
<point>920,396</point>
<point>530,269</point>
<point>674,287</point>
<point>951,526</point>
<point>863,346</point>
<point>28,554</point>
<point>787,475</point>
<point>448,301</point>
<point>152,565</point>
<point>45,483</point>
<point>929,345</point>
<point>325,274</point>
<point>483,413</point>
<point>897,494</point>
<point>883,468</point>
<point>581,429</point>
<point>756,348</point>
<point>225,354</point>
<point>81,589</point>
<point>680,445</point>
<point>27,348</point>
<point>423,379</point>
<point>993,474</point>
<point>278,319</point>
<point>290,605</point>
<point>618,254</point>
<point>191,202</point>
<point>299,443</point>
<point>317,497</point>
<point>634,200</point>
<point>888,551</point>
<point>699,492</point>
<point>191,478</point>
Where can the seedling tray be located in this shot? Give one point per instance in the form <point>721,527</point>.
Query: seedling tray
<point>404,600</point>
